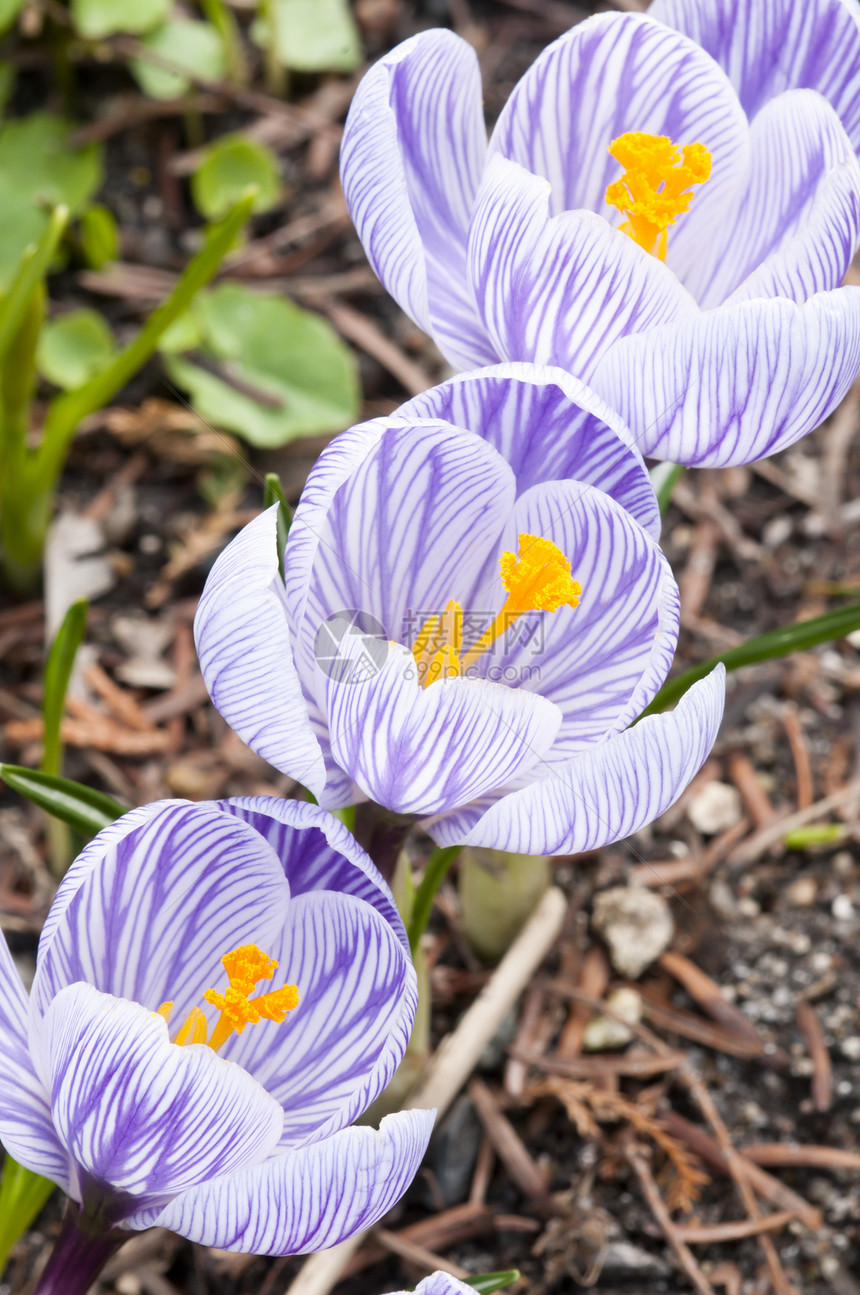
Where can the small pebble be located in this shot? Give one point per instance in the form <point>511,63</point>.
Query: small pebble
<point>842,909</point>
<point>715,808</point>
<point>603,1032</point>
<point>636,924</point>
<point>850,1048</point>
<point>802,893</point>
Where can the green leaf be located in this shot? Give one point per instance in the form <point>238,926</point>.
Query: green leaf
<point>815,834</point>
<point>486,1283</point>
<point>74,348</point>
<point>434,874</point>
<point>312,35</point>
<point>273,492</point>
<point>184,334</point>
<point>22,1196</point>
<point>29,274</point>
<point>58,670</point>
<point>664,477</point>
<point>99,236</point>
<point>8,72</point>
<point>9,10</point>
<point>94,19</point>
<point>39,171</point>
<point>194,46</point>
<point>305,376</point>
<point>84,809</point>
<point>764,647</point>
<point>228,167</point>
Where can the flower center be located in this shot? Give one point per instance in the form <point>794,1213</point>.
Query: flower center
<point>245,967</point>
<point>537,579</point>
<point>654,189</point>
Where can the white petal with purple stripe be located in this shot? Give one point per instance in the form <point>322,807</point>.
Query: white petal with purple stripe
<point>306,1199</point>
<point>138,1114</point>
<point>737,383</point>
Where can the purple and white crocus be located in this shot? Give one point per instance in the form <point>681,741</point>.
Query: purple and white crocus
<point>221,989</point>
<point>439,1283</point>
<point>632,220</point>
<point>498,533</point>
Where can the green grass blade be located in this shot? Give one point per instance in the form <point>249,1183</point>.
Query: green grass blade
<point>764,647</point>
<point>84,809</point>
<point>31,271</point>
<point>486,1283</point>
<point>434,874</point>
<point>273,492</point>
<point>58,670</point>
<point>22,1196</point>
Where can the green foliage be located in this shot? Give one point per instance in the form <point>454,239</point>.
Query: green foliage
<point>310,35</point>
<point>764,647</point>
<point>815,834</point>
<point>273,492</point>
<point>74,348</point>
<point>22,1196</point>
<point>7,77</point>
<point>39,171</point>
<point>58,671</point>
<point>95,19</point>
<point>228,167</point>
<point>486,1283</point>
<point>98,236</point>
<point>193,46</point>
<point>85,810</point>
<point>267,369</point>
<point>9,10</point>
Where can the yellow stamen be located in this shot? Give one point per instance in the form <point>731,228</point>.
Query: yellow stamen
<point>437,647</point>
<point>654,189</point>
<point>245,967</point>
<point>538,579</point>
<point>164,1010</point>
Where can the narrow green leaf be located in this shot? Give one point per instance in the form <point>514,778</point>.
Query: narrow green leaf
<point>664,478</point>
<point>84,809</point>
<point>434,874</point>
<point>31,270</point>
<point>764,647</point>
<point>486,1283</point>
<point>66,411</point>
<point>815,834</point>
<point>22,1196</point>
<point>58,670</point>
<point>273,492</point>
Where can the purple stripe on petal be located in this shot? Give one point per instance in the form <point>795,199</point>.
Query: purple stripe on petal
<point>26,1128</point>
<point>767,48</point>
<point>138,1113</point>
<point>560,290</point>
<point>634,75</point>
<point>307,1199</point>
<point>425,750</point>
<point>604,794</point>
<point>547,426</point>
<point>737,383</point>
<point>796,140</point>
<point>357,997</point>
<point>413,150</point>
<point>243,642</point>
<point>152,920</point>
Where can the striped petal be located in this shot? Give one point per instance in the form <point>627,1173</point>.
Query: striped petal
<point>769,48</point>
<point>307,1199</point>
<point>138,1114</point>
<point>26,1128</point>
<point>243,643</point>
<point>547,426</point>
<point>424,750</point>
<point>439,1283</point>
<point>560,290</point>
<point>317,853</point>
<point>616,73</point>
<point>603,661</point>
<point>817,257</point>
<point>604,794</point>
<point>738,383</point>
<point>411,159</point>
<point>796,141</point>
<point>338,1048</point>
<point>166,901</point>
<point>397,528</point>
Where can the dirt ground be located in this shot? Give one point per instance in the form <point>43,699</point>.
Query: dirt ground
<point>728,1129</point>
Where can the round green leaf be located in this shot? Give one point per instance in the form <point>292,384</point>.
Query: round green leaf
<point>99,236</point>
<point>73,348</point>
<point>274,371</point>
<point>94,19</point>
<point>195,46</point>
<point>230,166</point>
<point>36,161</point>
<point>312,35</point>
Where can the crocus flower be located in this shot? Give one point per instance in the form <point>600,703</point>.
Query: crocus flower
<point>439,1283</point>
<point>461,638</point>
<point>627,222</point>
<point>221,988</point>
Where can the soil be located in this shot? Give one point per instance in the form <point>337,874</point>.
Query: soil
<point>774,932</point>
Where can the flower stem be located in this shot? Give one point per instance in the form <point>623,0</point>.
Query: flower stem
<point>78,1257</point>
<point>434,874</point>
